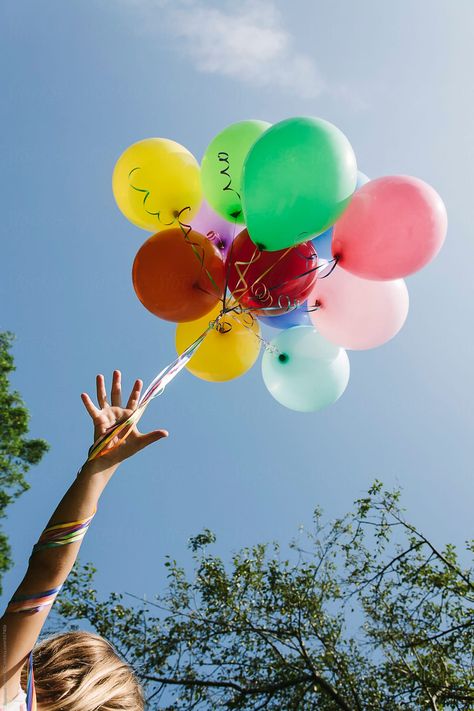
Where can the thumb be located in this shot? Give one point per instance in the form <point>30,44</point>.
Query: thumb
<point>151,437</point>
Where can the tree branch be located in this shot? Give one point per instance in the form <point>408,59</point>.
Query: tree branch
<point>243,690</point>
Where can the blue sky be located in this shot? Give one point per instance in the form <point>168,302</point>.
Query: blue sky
<point>83,80</point>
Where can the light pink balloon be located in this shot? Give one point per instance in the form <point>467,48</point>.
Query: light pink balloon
<point>358,313</point>
<point>392,227</point>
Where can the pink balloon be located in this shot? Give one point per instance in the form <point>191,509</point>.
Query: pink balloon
<point>358,313</point>
<point>217,230</point>
<point>392,227</point>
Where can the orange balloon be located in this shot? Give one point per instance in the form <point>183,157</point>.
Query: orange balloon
<point>179,276</point>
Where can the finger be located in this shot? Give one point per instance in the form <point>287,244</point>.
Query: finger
<point>135,395</point>
<point>145,439</point>
<point>101,394</point>
<point>89,405</point>
<point>116,393</point>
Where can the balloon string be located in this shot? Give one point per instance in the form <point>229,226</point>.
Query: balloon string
<point>147,195</point>
<point>223,157</point>
<point>266,344</point>
<point>123,428</point>
<point>240,291</point>
<point>259,290</point>
<point>290,306</point>
<point>257,283</point>
<point>214,236</point>
<point>229,262</point>
<point>197,248</point>
<point>334,261</point>
<point>309,271</point>
<point>186,229</point>
<point>317,304</point>
<point>306,257</point>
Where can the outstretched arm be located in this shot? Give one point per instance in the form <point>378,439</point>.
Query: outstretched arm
<point>48,568</point>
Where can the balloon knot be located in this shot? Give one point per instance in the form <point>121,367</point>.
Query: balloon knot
<point>224,327</point>
<point>283,358</point>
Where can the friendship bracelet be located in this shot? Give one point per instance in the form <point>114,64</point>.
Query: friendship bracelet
<point>61,534</point>
<point>33,603</point>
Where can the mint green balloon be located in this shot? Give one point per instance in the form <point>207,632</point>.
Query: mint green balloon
<point>306,373</point>
<point>298,178</point>
<point>221,168</point>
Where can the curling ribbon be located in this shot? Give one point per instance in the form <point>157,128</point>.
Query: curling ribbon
<point>156,387</point>
<point>58,535</point>
<point>32,603</point>
<point>63,533</point>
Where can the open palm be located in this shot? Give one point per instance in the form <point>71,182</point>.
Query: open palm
<point>108,414</point>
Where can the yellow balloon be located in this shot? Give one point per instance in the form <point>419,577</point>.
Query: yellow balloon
<point>155,181</point>
<point>229,350</point>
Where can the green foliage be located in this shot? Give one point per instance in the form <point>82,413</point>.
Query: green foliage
<point>17,452</point>
<point>363,613</point>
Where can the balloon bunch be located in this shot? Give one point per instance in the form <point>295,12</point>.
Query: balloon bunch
<point>276,226</point>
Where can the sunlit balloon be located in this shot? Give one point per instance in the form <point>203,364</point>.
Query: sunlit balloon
<point>229,349</point>
<point>156,183</point>
<point>178,275</point>
<point>298,178</point>
<point>303,371</point>
<point>271,281</point>
<point>222,167</point>
<point>393,226</point>
<point>358,313</point>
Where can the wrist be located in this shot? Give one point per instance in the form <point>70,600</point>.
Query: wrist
<point>97,467</point>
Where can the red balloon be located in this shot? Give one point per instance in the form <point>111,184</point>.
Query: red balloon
<point>178,276</point>
<point>261,280</point>
<point>392,227</point>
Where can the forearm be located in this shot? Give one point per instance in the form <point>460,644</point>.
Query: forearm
<point>79,502</point>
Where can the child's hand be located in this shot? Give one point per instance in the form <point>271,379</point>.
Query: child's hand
<point>110,413</point>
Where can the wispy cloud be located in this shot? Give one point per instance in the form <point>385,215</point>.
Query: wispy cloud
<point>249,43</point>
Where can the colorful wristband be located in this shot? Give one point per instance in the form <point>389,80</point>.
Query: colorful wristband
<point>62,534</point>
<point>32,603</point>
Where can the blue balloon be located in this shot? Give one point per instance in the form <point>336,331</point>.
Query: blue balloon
<point>322,244</point>
<point>303,371</point>
<point>297,317</point>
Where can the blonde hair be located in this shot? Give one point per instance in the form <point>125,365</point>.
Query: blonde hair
<point>81,671</point>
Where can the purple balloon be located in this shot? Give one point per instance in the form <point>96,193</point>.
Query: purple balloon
<point>219,231</point>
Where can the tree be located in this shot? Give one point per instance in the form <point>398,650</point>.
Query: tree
<point>365,613</point>
<point>17,452</point>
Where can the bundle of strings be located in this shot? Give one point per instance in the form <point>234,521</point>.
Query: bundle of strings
<point>58,535</point>
<point>117,433</point>
<point>121,430</point>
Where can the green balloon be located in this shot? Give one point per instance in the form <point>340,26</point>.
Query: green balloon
<point>303,371</point>
<point>221,168</point>
<point>298,178</point>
